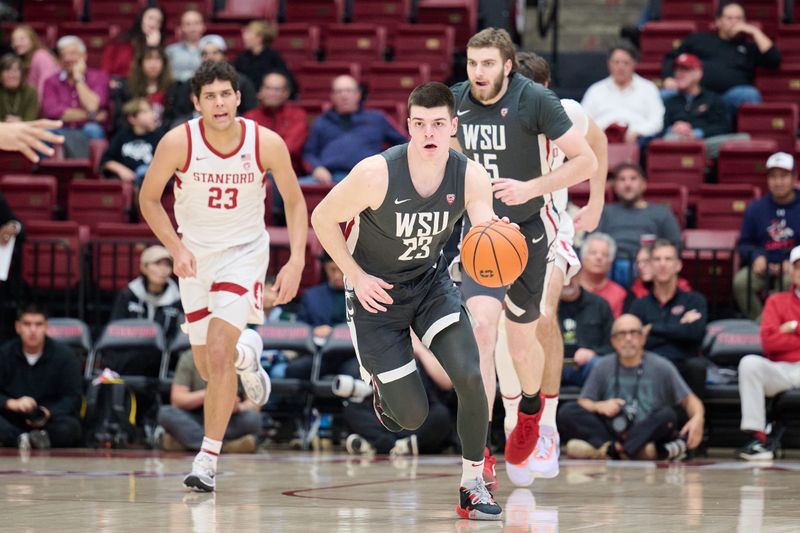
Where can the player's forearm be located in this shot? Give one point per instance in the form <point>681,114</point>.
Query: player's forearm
<point>158,220</point>
<point>597,183</point>
<point>297,226</point>
<point>332,240</point>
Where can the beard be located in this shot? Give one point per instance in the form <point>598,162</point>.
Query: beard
<point>495,87</point>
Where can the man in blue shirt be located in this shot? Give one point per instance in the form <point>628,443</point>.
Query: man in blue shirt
<point>345,135</point>
<point>769,232</point>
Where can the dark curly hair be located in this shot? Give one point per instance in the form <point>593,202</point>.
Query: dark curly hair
<point>211,71</point>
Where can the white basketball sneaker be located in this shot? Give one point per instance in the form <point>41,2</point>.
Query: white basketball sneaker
<point>544,461</point>
<point>203,473</point>
<point>255,379</point>
<point>521,474</point>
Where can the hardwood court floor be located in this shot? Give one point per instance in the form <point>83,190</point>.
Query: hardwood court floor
<point>83,491</point>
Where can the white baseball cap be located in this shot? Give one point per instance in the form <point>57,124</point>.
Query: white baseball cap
<point>794,255</point>
<point>781,160</point>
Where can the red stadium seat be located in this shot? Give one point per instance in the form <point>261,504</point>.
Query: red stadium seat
<point>659,38</point>
<point>313,194</point>
<point>297,42</point>
<point>766,13</point>
<point>119,12</point>
<point>31,197</point>
<point>395,81</point>
<point>51,11</point>
<point>770,121</point>
<point>360,43</point>
<point>743,162</point>
<point>781,85</point>
<point>679,162</point>
<point>699,11</point>
<point>649,70</point>
<point>115,252</point>
<point>91,202</point>
<point>674,196</point>
<point>51,255</point>
<point>279,254</point>
<point>579,194</point>
<point>244,11</point>
<point>722,206</point>
<point>173,9</point>
<point>315,11</point>
<point>708,263</point>
<point>315,78</point>
<point>395,111</point>
<point>461,15</point>
<point>788,43</point>
<point>95,35</point>
<point>387,13</point>
<point>15,162</point>
<point>65,170</point>
<point>426,43</point>
<point>622,153</point>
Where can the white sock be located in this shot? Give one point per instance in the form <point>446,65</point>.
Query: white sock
<point>470,471</point>
<point>504,364</point>
<point>549,413</point>
<point>511,406</point>
<point>211,448</point>
<point>244,357</point>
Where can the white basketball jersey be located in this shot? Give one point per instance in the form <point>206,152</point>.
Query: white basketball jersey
<point>553,157</point>
<point>219,198</point>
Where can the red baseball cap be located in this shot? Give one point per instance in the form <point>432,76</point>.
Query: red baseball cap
<point>688,61</point>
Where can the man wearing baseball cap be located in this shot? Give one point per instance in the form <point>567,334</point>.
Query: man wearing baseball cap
<point>695,112</point>
<point>152,295</point>
<point>779,368</point>
<point>770,230</point>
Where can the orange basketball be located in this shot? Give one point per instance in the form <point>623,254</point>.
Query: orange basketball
<point>494,253</point>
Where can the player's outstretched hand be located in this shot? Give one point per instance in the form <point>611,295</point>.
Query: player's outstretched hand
<point>30,137</point>
<point>496,218</point>
<point>184,263</point>
<point>287,282</point>
<point>371,292</point>
<point>512,192</point>
<point>587,219</point>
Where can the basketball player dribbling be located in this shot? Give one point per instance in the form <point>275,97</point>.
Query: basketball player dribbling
<point>400,207</point>
<point>219,162</point>
<point>562,265</point>
<point>500,117</point>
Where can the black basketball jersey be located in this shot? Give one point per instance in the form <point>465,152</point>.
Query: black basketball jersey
<point>503,137</point>
<point>405,235</point>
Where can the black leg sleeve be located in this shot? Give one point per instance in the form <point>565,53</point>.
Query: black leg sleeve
<point>404,400</point>
<point>457,351</point>
<point>575,422</point>
<point>433,435</point>
<point>654,428</point>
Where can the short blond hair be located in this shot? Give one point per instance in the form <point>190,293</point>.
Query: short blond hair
<point>264,29</point>
<point>134,107</point>
<point>496,38</point>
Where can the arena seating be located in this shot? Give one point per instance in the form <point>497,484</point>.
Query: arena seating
<point>722,206</point>
<point>32,197</point>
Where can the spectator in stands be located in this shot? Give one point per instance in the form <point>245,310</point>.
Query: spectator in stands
<point>153,295</point>
<point>322,307</point>
<point>585,321</point>
<point>40,387</point>
<point>258,58</point>
<point>147,30</point>
<point>184,56</point>
<point>345,135</point>
<point>182,420</point>
<point>777,371</point>
<point>632,221</point>
<point>597,255</point>
<point>212,48</point>
<point>624,101</point>
<point>151,78</point>
<point>729,57</point>
<point>38,62</point>
<point>626,409</point>
<point>282,117</point>
<point>675,320</point>
<point>643,283</point>
<point>78,96</point>
<point>18,100</point>
<point>695,113</point>
<point>367,434</point>
<point>131,150</point>
<point>770,228</point>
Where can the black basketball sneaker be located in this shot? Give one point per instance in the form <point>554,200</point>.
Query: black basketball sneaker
<point>477,503</point>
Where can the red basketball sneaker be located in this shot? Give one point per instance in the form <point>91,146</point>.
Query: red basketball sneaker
<point>489,474</point>
<point>522,441</point>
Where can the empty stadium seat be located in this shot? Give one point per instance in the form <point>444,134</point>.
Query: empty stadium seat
<point>65,171</point>
<point>315,79</point>
<point>31,197</point>
<point>658,38</point>
<point>426,43</point>
<point>51,11</point>
<point>297,42</point>
<point>780,85</point>
<point>91,202</point>
<point>777,121</point>
<point>74,333</point>
<point>315,11</point>
<point>359,43</point>
<point>622,153</point>
<point>766,14</point>
<point>461,15</point>
<point>699,11</point>
<point>674,196</point>
<point>722,206</point>
<point>387,13</point>
<point>788,42</point>
<point>395,81</point>
<point>118,12</point>
<point>15,163</point>
<point>680,162</point>
<point>243,11</point>
<point>708,263</point>
<point>743,162</point>
<point>729,340</point>
<point>395,110</point>
<point>143,336</point>
<point>279,254</point>
<point>115,252</point>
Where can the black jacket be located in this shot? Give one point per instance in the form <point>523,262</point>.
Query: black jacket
<point>165,308</point>
<point>725,63</point>
<point>706,111</point>
<point>586,323</point>
<point>668,337</point>
<point>55,380</point>
<point>7,215</point>
<point>254,67</point>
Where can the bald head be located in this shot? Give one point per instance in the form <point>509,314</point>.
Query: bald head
<point>628,338</point>
<point>345,94</point>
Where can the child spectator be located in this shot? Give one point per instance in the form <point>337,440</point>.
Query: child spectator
<point>131,150</point>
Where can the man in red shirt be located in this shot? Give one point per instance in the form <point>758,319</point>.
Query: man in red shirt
<point>778,370</point>
<point>288,121</point>
<point>597,256</point>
